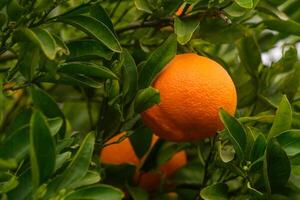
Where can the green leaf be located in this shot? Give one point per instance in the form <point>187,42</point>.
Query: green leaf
<point>14,10</point>
<point>96,29</point>
<point>8,182</point>
<point>245,3</point>
<point>39,37</point>
<point>236,133</point>
<point>283,118</point>
<point>130,76</point>
<point>29,60</point>
<point>24,188</point>
<point>17,145</point>
<point>167,151</point>
<point>290,141</point>
<point>8,164</point>
<point>62,159</point>
<point>276,167</point>
<point>157,61</point>
<point>42,149</point>
<point>55,125</point>
<point>249,54</point>
<point>98,12</point>
<point>184,29</point>
<point>141,140</point>
<point>88,49</point>
<point>218,191</point>
<point>258,148</point>
<point>45,103</point>
<point>3,19</point>
<point>145,99</point>
<point>190,174</point>
<point>90,178</point>
<point>106,192</point>
<point>143,5</point>
<point>79,165</point>
<point>87,69</point>
<point>288,26</point>
<point>137,193</point>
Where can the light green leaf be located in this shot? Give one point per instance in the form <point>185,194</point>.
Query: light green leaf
<point>42,149</point>
<point>143,5</point>
<point>157,61</point>
<point>146,98</point>
<point>78,168</point>
<point>87,69</point>
<point>236,133</point>
<point>287,26</point>
<point>8,164</point>
<point>218,191</point>
<point>61,159</point>
<point>97,192</point>
<point>245,3</point>
<point>96,29</point>
<point>184,29</point>
<point>283,118</point>
<point>90,178</point>
<point>249,54</point>
<point>290,141</point>
<point>39,37</point>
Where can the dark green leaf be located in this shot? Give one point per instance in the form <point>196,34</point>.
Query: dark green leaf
<point>141,140</point>
<point>184,29</point>
<point>218,191</point>
<point>100,14</point>
<point>45,103</point>
<point>96,29</point>
<point>157,61</point>
<point>88,49</point>
<point>29,60</point>
<point>42,149</point>
<point>283,118</point>
<point>137,193</point>
<point>190,174</point>
<point>14,10</point>
<point>24,188</point>
<point>258,148</point>
<point>97,192</point>
<point>17,145</point>
<point>276,167</point>
<point>130,76</point>
<point>236,133</point>
<point>146,98</point>
<point>87,69</point>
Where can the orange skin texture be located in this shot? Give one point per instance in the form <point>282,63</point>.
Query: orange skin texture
<point>180,10</point>
<point>192,90</point>
<point>123,153</point>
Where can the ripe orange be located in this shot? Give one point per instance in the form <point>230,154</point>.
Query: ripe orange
<point>192,88</point>
<point>123,153</point>
<point>180,10</point>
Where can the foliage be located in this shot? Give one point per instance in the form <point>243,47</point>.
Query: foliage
<point>76,73</point>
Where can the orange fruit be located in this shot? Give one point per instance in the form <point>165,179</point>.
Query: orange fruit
<point>150,180</point>
<point>180,10</point>
<point>192,89</point>
<point>123,153</point>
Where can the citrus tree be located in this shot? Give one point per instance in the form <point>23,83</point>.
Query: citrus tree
<point>86,83</point>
